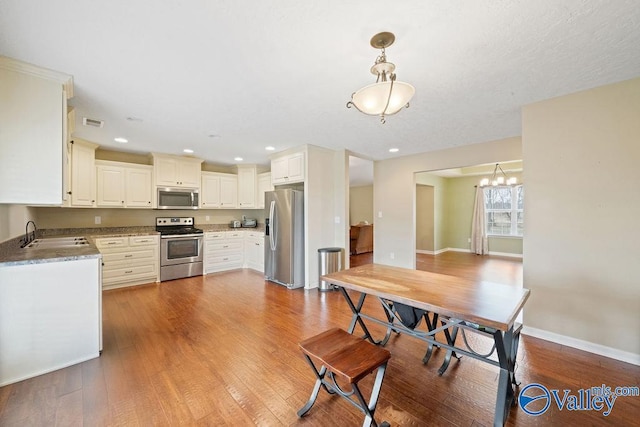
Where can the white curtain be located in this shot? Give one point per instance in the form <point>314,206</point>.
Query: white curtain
<point>479,243</point>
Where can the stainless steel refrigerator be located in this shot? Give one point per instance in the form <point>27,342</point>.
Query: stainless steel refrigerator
<point>284,238</point>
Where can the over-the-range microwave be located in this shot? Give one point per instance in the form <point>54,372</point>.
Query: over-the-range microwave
<point>177,198</point>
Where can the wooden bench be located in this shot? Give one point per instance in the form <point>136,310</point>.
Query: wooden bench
<point>350,358</point>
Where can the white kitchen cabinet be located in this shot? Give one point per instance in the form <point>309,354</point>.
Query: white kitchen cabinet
<point>123,185</point>
<point>247,180</point>
<point>33,135</point>
<point>254,250</point>
<point>110,189</point>
<point>83,174</point>
<point>138,186</point>
<point>50,317</point>
<point>287,169</point>
<point>223,250</point>
<point>219,190</point>
<point>264,185</point>
<point>175,171</point>
<point>129,260</point>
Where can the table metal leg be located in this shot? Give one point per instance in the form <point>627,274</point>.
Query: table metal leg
<point>357,319</point>
<point>505,395</point>
<point>451,340</point>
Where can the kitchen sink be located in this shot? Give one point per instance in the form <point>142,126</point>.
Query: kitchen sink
<point>57,242</point>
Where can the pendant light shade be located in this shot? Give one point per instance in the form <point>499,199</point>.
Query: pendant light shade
<point>386,96</point>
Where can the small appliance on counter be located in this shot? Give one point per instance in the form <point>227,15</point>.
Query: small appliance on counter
<point>249,223</point>
<point>235,224</point>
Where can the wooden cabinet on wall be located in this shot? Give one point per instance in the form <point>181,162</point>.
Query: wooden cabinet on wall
<point>129,260</point>
<point>264,185</point>
<point>288,169</point>
<point>33,118</point>
<point>247,180</point>
<point>123,185</point>
<point>83,174</point>
<point>219,191</point>
<point>175,171</point>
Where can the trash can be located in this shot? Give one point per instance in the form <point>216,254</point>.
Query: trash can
<point>329,260</point>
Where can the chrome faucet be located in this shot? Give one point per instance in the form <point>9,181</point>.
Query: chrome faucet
<point>29,238</point>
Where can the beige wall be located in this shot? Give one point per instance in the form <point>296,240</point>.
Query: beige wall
<point>85,218</point>
<point>581,155</point>
<point>361,204</point>
<point>394,193</point>
<point>13,220</point>
<point>425,218</point>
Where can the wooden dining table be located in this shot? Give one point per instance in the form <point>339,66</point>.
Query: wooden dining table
<point>448,304</point>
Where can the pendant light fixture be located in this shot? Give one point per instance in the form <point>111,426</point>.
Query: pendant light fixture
<point>386,96</point>
<point>498,179</point>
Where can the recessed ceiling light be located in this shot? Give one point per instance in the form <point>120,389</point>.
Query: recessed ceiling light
<point>394,150</point>
<point>269,148</point>
<point>121,140</point>
<point>213,135</point>
<point>238,159</point>
<point>188,150</point>
<point>134,119</point>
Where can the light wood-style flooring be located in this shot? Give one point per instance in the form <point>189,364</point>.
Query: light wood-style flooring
<point>223,350</point>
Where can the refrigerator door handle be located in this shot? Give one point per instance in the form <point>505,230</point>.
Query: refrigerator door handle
<point>274,230</point>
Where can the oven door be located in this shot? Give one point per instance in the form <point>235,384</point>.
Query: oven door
<point>180,249</point>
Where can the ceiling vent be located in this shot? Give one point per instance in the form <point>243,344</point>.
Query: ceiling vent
<point>92,122</point>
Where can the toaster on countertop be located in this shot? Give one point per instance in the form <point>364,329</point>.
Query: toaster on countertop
<point>235,224</point>
<point>249,223</point>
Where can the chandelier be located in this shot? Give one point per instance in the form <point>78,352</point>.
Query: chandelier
<point>498,179</point>
<point>386,96</point>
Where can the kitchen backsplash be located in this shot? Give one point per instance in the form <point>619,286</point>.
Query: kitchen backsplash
<point>53,217</point>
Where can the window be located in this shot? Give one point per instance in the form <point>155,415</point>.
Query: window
<point>504,210</point>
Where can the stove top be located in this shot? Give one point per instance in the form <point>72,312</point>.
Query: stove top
<point>176,226</point>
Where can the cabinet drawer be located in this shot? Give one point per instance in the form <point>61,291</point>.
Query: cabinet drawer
<point>143,240</point>
<point>124,274</point>
<point>112,242</point>
<point>233,246</point>
<point>234,234</point>
<point>148,255</point>
<point>216,235</point>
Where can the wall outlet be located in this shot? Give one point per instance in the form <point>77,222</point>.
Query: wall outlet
<point>392,255</point>
<point>97,219</point>
<point>337,219</point>
<point>207,218</point>
<point>469,240</point>
<point>379,214</point>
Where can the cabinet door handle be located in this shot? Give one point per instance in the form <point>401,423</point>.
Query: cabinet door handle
<point>128,271</point>
<point>128,255</point>
<point>111,243</point>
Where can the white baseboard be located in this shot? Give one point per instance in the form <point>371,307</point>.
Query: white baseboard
<point>602,350</point>
<point>506,254</point>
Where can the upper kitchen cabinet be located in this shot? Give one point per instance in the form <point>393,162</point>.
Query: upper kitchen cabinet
<point>247,180</point>
<point>287,169</point>
<point>123,185</point>
<point>219,191</point>
<point>264,185</point>
<point>33,114</point>
<point>175,171</point>
<point>83,174</point>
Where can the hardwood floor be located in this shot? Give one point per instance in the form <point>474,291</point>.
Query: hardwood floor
<point>223,350</point>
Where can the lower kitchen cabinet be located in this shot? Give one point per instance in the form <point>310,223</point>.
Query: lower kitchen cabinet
<point>228,250</point>
<point>129,260</point>
<point>254,250</point>
<point>223,250</point>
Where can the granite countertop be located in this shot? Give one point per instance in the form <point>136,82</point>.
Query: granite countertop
<point>12,254</point>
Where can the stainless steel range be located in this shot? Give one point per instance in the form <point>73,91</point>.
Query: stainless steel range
<point>180,248</point>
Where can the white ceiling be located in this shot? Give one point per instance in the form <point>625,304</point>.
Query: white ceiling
<point>279,72</point>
